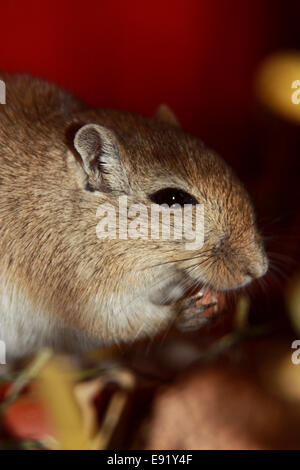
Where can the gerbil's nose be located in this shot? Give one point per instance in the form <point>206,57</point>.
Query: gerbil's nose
<point>259,267</point>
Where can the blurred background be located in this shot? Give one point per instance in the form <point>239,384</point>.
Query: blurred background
<point>226,68</point>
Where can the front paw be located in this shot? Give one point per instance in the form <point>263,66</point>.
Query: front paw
<point>198,310</point>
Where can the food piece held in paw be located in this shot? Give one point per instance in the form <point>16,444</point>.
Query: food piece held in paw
<point>200,308</point>
<point>213,301</point>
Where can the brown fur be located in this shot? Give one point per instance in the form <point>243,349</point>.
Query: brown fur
<point>48,244</point>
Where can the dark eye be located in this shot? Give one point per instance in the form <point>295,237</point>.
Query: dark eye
<point>171,196</point>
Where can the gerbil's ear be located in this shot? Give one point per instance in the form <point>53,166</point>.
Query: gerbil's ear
<point>100,159</point>
<point>165,114</point>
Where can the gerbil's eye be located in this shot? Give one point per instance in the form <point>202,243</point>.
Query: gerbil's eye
<point>172,196</point>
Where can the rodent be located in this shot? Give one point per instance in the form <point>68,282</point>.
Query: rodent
<point>62,286</point>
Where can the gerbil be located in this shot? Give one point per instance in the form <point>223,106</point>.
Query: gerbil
<point>62,286</point>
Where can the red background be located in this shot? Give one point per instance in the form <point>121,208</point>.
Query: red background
<point>198,56</point>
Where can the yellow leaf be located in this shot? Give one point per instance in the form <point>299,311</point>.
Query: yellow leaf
<point>56,390</point>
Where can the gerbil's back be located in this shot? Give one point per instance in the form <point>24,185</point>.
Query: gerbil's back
<point>32,116</point>
<point>32,142</point>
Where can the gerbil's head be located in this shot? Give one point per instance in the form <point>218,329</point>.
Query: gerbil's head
<point>151,161</point>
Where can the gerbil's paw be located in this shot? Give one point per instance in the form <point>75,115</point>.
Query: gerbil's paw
<point>196,313</point>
